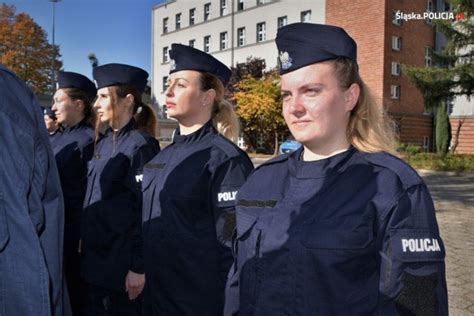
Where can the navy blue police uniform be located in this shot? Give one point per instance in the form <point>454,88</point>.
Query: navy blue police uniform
<point>188,211</point>
<point>353,234</point>
<point>111,222</point>
<point>72,151</point>
<point>31,208</point>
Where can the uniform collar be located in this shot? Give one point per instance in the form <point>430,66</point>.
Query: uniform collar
<point>130,126</point>
<point>79,125</point>
<point>318,168</point>
<point>201,134</point>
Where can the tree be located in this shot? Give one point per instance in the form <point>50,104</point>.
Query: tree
<point>443,129</point>
<point>453,70</point>
<point>259,107</point>
<point>24,49</point>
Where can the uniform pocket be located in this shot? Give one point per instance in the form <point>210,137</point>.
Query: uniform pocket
<point>320,238</point>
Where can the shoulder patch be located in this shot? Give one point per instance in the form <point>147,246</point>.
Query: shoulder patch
<point>407,175</point>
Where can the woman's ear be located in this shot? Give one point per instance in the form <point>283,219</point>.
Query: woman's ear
<point>209,97</point>
<point>352,96</point>
<point>129,99</point>
<point>79,104</point>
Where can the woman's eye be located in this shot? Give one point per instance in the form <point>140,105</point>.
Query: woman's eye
<point>312,92</point>
<point>180,85</point>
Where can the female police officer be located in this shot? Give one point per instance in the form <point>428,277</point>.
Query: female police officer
<point>112,262</point>
<point>72,150</point>
<point>339,227</point>
<point>189,191</point>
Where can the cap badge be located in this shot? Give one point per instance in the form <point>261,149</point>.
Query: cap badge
<point>172,65</point>
<point>285,60</point>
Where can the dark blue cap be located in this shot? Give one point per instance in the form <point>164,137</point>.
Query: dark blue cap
<point>120,74</point>
<point>49,112</point>
<point>302,44</point>
<point>68,79</point>
<point>188,58</point>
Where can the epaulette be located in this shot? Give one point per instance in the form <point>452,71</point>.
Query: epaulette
<point>228,147</point>
<point>275,160</point>
<point>407,175</point>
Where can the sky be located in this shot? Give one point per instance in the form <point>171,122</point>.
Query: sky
<point>117,31</point>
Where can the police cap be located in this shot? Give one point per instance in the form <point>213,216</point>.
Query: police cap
<point>67,79</point>
<point>188,58</point>
<point>120,74</point>
<point>302,44</point>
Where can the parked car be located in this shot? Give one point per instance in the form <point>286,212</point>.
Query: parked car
<point>288,146</point>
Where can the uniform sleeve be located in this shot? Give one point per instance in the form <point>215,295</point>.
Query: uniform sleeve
<point>229,177</point>
<point>412,269</point>
<point>134,181</point>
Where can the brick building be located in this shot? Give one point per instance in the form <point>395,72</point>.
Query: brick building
<point>384,45</point>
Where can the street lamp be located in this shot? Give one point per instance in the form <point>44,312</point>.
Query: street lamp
<point>54,55</point>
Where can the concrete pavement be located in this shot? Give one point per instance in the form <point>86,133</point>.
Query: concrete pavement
<point>453,194</point>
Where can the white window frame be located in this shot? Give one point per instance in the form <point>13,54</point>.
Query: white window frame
<point>240,5</point>
<point>396,43</point>
<point>207,11</point>
<point>429,8</point>
<point>192,16</point>
<point>165,25</point>
<point>282,21</point>
<point>305,16</point>
<point>428,58</point>
<point>224,6</point>
<point>396,21</point>
<point>207,44</point>
<point>166,55</point>
<point>395,92</point>
<point>261,32</point>
<point>165,83</point>
<point>396,68</point>
<point>223,40</point>
<point>241,36</point>
<point>192,43</point>
<point>178,21</point>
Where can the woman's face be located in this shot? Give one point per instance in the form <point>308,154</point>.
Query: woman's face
<point>105,109</point>
<point>184,98</point>
<point>67,111</point>
<point>315,108</point>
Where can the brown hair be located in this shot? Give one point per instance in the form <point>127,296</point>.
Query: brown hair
<point>78,94</point>
<point>369,128</point>
<point>223,116</point>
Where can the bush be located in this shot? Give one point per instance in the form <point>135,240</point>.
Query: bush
<point>450,162</point>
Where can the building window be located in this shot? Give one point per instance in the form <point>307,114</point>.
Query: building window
<point>395,68</point>
<point>165,83</point>
<point>396,43</point>
<point>207,43</point>
<point>165,55</point>
<point>192,43</point>
<point>223,7</point>
<point>395,92</point>
<point>241,36</point>
<point>260,2</point>
<point>429,8</point>
<point>261,32</point>
<point>207,11</point>
<point>282,21</point>
<point>396,21</point>
<point>240,5</point>
<point>178,21</point>
<point>427,56</point>
<point>223,40</point>
<point>306,16</point>
<point>426,143</point>
<point>165,25</point>
<point>192,16</point>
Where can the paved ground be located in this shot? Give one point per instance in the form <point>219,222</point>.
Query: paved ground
<point>453,194</point>
<point>454,200</point>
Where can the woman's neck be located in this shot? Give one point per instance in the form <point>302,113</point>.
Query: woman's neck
<point>119,123</point>
<point>189,126</point>
<point>312,153</point>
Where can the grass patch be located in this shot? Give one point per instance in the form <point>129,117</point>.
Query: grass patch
<point>450,162</point>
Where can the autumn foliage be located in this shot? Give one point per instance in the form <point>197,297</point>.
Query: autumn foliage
<point>24,49</point>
